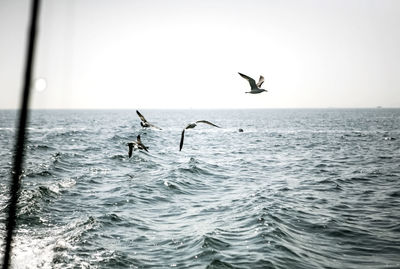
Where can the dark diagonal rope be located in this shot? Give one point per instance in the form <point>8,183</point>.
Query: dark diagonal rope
<point>19,146</point>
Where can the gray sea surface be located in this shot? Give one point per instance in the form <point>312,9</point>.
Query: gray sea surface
<point>299,188</point>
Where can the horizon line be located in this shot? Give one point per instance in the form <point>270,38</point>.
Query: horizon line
<point>241,108</point>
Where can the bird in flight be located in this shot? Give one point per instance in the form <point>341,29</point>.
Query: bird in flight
<point>191,126</point>
<point>134,145</point>
<point>144,123</point>
<point>255,88</point>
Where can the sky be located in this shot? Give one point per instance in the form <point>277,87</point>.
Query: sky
<point>184,54</point>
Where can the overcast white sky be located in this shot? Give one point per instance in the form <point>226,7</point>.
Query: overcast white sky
<point>187,53</point>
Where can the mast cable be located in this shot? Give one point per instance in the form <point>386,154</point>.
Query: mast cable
<point>20,143</point>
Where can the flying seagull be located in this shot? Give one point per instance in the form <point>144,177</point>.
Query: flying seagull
<point>144,123</point>
<point>191,126</point>
<point>255,88</point>
<point>134,145</point>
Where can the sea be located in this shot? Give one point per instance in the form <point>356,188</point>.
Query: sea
<point>298,188</point>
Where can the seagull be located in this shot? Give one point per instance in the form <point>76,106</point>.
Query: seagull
<point>134,145</point>
<point>191,126</point>
<point>144,123</point>
<point>255,88</point>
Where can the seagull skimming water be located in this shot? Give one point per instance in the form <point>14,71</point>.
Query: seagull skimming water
<point>255,88</point>
<point>191,126</point>
<point>134,145</point>
<point>144,123</point>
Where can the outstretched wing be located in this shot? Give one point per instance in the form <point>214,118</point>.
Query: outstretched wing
<point>130,149</point>
<point>144,147</point>
<point>152,125</point>
<point>182,137</point>
<point>141,116</point>
<point>207,122</point>
<point>260,81</point>
<point>140,144</point>
<point>250,80</point>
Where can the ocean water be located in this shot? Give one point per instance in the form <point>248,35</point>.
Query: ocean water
<point>308,188</point>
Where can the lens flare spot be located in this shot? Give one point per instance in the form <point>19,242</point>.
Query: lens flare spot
<point>40,84</point>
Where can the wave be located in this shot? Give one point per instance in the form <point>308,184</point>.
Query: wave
<point>216,263</point>
<point>40,147</point>
<point>298,190</point>
<point>54,166</point>
<point>214,243</point>
<point>33,201</point>
<point>119,157</point>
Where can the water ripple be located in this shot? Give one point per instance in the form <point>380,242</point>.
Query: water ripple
<point>296,189</point>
